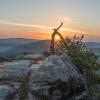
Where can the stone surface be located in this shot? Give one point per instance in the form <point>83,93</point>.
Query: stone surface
<point>7,92</point>
<point>14,70</point>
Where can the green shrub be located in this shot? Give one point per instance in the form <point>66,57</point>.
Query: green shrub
<point>83,58</point>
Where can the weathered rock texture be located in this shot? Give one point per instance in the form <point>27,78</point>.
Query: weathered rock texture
<point>56,78</point>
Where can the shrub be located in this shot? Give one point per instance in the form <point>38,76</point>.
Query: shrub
<point>83,58</point>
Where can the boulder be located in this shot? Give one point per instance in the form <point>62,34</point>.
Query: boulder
<point>56,78</point>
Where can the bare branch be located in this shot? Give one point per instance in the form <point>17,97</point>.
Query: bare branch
<point>59,27</point>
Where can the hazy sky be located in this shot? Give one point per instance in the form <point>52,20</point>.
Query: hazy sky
<point>37,18</point>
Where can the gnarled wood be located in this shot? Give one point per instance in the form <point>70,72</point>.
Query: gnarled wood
<point>52,49</point>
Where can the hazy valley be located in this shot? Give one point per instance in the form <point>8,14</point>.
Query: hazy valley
<point>14,46</point>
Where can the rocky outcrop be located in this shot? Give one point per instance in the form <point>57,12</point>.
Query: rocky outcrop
<point>55,78</point>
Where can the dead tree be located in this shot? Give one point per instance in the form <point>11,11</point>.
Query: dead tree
<point>52,48</point>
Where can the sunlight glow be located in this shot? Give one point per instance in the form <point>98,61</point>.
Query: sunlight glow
<point>35,31</point>
<point>57,38</point>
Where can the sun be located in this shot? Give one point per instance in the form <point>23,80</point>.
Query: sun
<point>57,38</point>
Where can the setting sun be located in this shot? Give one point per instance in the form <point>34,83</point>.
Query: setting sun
<point>57,38</point>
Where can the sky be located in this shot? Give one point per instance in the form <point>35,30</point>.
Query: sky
<point>35,19</point>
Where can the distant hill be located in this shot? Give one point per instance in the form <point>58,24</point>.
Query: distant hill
<point>93,46</point>
<point>14,46</point>
<point>7,44</point>
<point>15,41</point>
<point>24,46</point>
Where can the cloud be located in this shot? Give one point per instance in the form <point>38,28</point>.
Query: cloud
<point>38,26</point>
<point>24,25</point>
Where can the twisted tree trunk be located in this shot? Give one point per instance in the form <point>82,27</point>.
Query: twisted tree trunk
<point>52,48</point>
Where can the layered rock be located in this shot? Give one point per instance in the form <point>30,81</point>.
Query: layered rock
<point>14,70</point>
<point>11,76</point>
<point>55,78</point>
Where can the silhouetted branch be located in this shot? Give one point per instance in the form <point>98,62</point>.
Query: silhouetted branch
<point>59,26</point>
<point>52,49</point>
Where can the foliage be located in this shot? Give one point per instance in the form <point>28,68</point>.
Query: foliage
<point>83,58</point>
